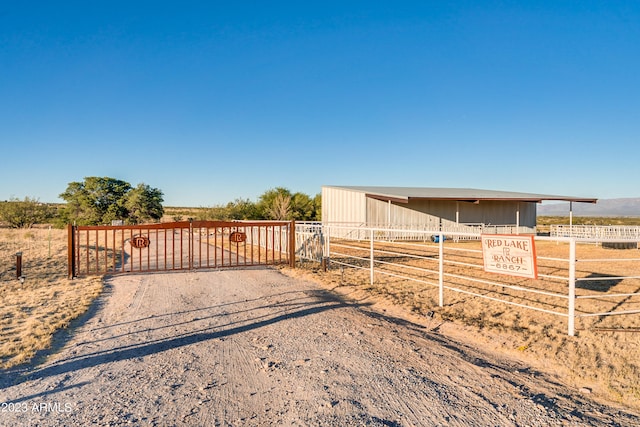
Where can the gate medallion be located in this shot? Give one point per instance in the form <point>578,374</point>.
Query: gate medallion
<point>140,242</point>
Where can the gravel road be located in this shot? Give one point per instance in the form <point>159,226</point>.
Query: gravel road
<point>254,347</point>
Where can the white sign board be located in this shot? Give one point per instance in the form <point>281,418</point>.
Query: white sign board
<point>510,254</point>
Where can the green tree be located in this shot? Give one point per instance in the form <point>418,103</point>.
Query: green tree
<point>275,204</point>
<point>280,204</point>
<point>242,209</point>
<point>216,212</point>
<point>302,207</point>
<point>25,213</point>
<point>100,200</point>
<point>143,204</point>
<point>317,205</point>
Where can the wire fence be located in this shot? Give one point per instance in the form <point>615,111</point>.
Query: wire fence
<point>34,245</point>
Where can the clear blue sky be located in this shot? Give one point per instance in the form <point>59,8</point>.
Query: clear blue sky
<point>210,101</point>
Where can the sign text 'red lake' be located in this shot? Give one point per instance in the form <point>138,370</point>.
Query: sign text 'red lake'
<point>510,254</point>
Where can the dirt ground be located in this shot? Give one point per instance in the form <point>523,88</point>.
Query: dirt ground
<point>255,347</point>
<point>602,357</point>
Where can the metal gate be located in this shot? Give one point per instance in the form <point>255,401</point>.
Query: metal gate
<point>187,245</point>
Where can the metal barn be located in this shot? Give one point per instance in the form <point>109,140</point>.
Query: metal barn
<point>444,209</point>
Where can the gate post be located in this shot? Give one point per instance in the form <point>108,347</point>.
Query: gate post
<point>191,243</point>
<point>71,251</point>
<point>292,244</point>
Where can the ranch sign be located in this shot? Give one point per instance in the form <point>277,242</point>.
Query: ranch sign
<point>510,254</point>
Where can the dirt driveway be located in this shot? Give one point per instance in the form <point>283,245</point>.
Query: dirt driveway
<point>256,348</point>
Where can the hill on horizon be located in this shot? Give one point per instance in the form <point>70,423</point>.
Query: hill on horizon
<point>604,207</point>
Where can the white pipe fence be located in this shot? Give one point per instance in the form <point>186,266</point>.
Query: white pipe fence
<point>599,232</point>
<point>430,261</point>
<point>418,232</point>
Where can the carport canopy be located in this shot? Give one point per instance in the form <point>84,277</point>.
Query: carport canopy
<point>469,195</point>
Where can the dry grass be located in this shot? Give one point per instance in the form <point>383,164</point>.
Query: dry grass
<point>31,312</point>
<point>602,356</point>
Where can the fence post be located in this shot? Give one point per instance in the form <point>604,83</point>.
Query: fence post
<point>572,287</point>
<point>71,250</point>
<point>326,250</point>
<point>323,260</point>
<point>441,269</point>
<point>371,256</point>
<point>18,265</point>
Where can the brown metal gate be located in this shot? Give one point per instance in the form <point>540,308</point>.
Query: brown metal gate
<point>187,245</point>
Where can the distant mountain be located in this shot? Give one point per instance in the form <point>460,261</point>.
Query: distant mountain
<point>604,207</point>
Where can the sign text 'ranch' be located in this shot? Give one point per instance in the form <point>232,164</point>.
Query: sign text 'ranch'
<point>510,254</point>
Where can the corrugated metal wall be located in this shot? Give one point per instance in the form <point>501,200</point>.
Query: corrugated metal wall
<point>498,212</point>
<point>427,213</point>
<point>347,206</point>
<point>383,214</point>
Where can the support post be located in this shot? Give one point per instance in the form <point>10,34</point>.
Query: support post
<point>441,270</point>
<point>571,219</point>
<point>572,287</point>
<point>371,266</point>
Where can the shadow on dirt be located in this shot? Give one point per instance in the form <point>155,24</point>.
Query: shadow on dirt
<point>307,303</point>
<point>598,282</point>
<point>287,306</point>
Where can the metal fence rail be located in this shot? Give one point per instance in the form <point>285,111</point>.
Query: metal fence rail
<point>310,241</point>
<point>599,232</point>
<point>416,232</point>
<point>570,286</point>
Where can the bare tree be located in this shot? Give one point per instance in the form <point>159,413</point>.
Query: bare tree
<point>281,207</point>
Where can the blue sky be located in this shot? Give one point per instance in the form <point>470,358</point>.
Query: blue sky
<point>212,101</point>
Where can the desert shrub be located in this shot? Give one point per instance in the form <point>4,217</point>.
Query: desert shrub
<point>25,213</point>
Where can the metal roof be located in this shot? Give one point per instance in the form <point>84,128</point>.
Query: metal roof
<point>404,194</point>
